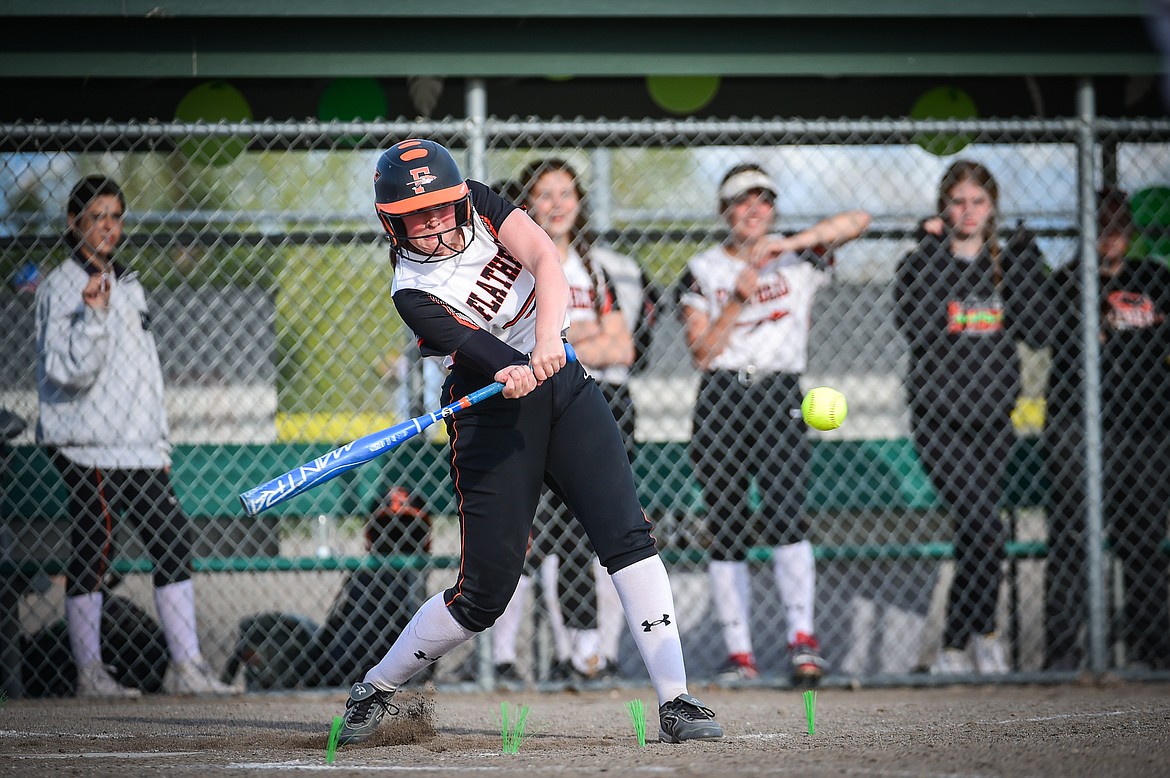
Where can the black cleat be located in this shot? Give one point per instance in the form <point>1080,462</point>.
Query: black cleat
<point>364,710</point>
<point>685,718</point>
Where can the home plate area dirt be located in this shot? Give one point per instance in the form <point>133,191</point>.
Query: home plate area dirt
<point>1092,728</point>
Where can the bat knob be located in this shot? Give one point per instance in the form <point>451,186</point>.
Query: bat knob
<point>249,508</point>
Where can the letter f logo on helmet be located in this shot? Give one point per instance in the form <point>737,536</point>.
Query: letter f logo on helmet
<point>417,175</point>
<point>422,176</point>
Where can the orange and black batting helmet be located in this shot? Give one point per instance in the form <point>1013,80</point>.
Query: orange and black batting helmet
<point>413,176</point>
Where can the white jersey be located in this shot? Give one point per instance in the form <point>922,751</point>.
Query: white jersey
<point>485,285</point>
<point>591,296</point>
<point>771,331</point>
<point>625,276</point>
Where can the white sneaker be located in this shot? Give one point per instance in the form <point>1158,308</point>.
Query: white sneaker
<point>95,681</point>
<point>951,661</point>
<point>195,678</point>
<point>990,655</point>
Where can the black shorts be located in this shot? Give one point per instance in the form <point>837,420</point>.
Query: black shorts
<point>98,497</point>
<point>745,428</point>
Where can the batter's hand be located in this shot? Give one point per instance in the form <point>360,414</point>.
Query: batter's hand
<point>547,358</point>
<point>518,380</point>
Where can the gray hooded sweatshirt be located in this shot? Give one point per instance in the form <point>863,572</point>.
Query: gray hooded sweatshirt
<point>98,374</point>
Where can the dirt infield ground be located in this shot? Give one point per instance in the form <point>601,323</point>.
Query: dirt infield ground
<point>1120,729</point>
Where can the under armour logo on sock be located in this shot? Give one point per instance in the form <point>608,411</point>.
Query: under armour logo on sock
<point>665,620</point>
<point>420,654</point>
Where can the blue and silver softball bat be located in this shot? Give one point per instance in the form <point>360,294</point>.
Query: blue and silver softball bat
<point>328,466</point>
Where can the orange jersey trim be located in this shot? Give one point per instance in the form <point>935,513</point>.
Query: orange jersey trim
<point>459,503</point>
<point>525,309</point>
<point>104,560</point>
<point>455,314</point>
<point>491,227</point>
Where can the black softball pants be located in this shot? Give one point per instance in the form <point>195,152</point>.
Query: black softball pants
<point>1135,505</point>
<point>966,465</point>
<point>1066,581</point>
<point>503,452</point>
<point>557,533</point>
<point>1136,502</point>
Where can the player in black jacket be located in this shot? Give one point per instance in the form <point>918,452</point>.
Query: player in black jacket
<point>963,301</point>
<point>1134,343</point>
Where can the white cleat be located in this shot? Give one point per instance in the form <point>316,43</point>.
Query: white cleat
<point>95,681</point>
<point>952,661</point>
<point>195,678</point>
<point>990,655</point>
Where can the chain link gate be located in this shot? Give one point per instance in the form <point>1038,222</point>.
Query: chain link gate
<point>268,283</point>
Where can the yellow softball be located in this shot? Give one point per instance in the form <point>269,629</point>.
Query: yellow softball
<point>824,408</point>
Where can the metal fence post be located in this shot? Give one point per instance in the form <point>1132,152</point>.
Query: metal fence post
<point>475,104</point>
<point>1086,164</point>
<point>475,101</point>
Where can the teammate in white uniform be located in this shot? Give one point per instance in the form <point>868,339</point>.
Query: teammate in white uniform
<point>478,282</point>
<point>584,612</point>
<point>747,308</point>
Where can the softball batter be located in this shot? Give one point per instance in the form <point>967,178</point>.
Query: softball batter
<point>480,284</point>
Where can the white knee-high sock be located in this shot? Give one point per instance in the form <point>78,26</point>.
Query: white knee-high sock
<point>176,612</point>
<point>730,589</point>
<point>506,630</point>
<point>796,578</point>
<point>431,633</point>
<point>644,588</point>
<point>611,623</point>
<point>83,614</point>
<point>550,593</point>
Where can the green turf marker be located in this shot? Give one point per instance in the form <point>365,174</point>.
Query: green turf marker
<point>637,713</point>
<point>512,736</point>
<point>334,731</point>
<point>810,710</point>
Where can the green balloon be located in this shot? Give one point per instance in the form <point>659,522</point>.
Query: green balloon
<point>212,102</point>
<point>682,95</point>
<point>943,102</point>
<point>349,100</point>
<point>352,99</point>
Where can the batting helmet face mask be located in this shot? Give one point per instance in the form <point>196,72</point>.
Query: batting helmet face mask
<point>415,181</point>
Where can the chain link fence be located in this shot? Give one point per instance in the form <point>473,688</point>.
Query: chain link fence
<point>268,284</point>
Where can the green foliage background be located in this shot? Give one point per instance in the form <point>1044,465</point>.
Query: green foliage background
<point>272,219</point>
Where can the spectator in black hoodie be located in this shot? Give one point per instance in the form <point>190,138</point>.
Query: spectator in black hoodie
<point>962,302</point>
<point>1134,340</point>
